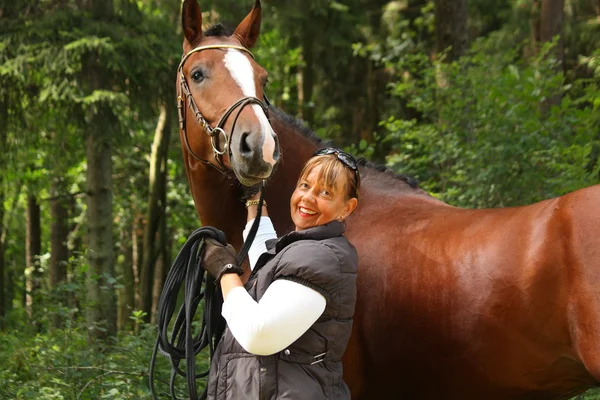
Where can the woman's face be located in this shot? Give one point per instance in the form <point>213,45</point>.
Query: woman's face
<point>312,204</point>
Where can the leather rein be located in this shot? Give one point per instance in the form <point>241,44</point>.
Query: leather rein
<point>184,93</point>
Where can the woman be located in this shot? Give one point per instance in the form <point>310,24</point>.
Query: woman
<point>289,325</point>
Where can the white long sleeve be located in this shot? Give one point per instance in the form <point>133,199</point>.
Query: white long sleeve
<point>266,231</point>
<point>284,313</point>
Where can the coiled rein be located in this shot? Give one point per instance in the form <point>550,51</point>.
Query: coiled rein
<point>187,271</point>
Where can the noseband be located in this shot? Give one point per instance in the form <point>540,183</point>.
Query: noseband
<point>184,93</point>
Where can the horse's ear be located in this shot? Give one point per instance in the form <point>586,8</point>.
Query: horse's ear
<point>191,20</point>
<point>249,29</point>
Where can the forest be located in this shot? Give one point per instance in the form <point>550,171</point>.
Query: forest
<point>486,103</point>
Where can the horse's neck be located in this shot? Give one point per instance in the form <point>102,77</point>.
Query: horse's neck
<point>217,200</point>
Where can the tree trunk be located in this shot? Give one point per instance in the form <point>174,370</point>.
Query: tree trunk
<point>2,264</point>
<point>3,141</point>
<point>534,27</point>
<point>125,295</point>
<point>33,249</point>
<point>159,280</point>
<point>154,242</point>
<point>162,266</point>
<point>552,19</point>
<point>137,248</point>
<point>451,27</point>
<point>59,252</point>
<point>102,307</point>
<point>101,310</point>
<point>546,22</point>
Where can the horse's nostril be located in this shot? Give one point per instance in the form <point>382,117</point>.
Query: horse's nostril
<point>244,147</point>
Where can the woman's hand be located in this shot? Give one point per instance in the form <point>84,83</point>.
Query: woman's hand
<point>218,259</point>
<point>249,192</point>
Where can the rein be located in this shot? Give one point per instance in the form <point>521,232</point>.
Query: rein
<point>216,133</point>
<point>187,270</point>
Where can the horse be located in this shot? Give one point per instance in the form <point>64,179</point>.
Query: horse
<point>452,303</point>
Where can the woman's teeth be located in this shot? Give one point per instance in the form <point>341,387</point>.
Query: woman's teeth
<point>307,211</point>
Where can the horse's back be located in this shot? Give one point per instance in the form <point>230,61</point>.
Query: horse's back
<point>478,301</point>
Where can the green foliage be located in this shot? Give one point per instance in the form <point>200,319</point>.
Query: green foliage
<point>280,59</point>
<point>65,365</point>
<point>489,135</point>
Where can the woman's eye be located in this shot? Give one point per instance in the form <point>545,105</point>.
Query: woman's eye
<point>325,193</point>
<point>303,186</point>
<point>197,76</point>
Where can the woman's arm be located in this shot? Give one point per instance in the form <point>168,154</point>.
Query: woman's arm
<point>253,210</point>
<point>285,312</point>
<point>266,231</point>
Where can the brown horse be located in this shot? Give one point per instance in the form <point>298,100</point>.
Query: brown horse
<point>453,303</point>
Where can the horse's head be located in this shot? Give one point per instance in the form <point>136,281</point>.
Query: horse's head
<point>220,87</point>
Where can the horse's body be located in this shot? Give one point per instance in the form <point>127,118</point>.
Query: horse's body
<point>452,303</point>
<point>475,304</point>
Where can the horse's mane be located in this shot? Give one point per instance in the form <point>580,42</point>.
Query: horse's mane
<point>218,30</point>
<point>299,126</point>
<point>310,134</point>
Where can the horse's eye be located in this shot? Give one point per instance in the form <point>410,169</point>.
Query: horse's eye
<point>197,75</point>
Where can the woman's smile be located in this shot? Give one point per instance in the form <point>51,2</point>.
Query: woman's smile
<point>306,212</point>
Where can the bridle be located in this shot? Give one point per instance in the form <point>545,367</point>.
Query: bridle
<point>217,132</point>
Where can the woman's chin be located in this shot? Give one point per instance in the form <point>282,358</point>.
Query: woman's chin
<point>302,224</point>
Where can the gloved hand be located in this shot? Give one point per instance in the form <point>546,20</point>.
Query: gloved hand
<point>219,260</point>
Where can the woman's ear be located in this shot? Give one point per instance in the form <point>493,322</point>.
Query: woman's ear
<point>349,206</point>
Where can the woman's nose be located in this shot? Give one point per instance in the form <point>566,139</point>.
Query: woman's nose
<point>310,196</point>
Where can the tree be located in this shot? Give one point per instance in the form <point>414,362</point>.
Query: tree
<point>101,121</point>
<point>548,25</point>
<point>551,26</point>
<point>33,250</point>
<point>59,252</point>
<point>155,230</point>
<point>451,27</point>
<point>3,134</point>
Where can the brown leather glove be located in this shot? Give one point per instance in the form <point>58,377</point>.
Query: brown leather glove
<point>219,260</point>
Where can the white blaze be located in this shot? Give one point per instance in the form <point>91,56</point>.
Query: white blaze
<point>241,70</point>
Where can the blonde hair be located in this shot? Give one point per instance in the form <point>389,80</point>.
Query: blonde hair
<point>331,169</point>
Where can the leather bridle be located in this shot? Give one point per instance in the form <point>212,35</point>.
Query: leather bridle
<point>215,134</point>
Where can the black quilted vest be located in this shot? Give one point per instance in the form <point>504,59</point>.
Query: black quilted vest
<point>310,368</point>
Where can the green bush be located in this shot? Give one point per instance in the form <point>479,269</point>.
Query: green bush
<point>66,364</point>
<point>495,130</point>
